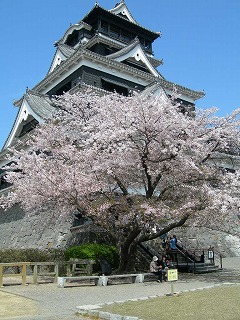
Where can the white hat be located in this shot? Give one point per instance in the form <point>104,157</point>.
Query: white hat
<point>155,258</point>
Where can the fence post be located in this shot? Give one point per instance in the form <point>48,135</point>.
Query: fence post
<point>1,276</point>
<point>24,274</point>
<point>68,268</point>
<point>56,272</point>
<point>89,268</point>
<point>194,263</point>
<point>221,261</point>
<point>35,273</point>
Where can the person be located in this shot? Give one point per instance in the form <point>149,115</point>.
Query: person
<point>163,267</point>
<point>105,266</point>
<point>173,242</point>
<point>164,241</point>
<point>169,263</point>
<point>168,244</point>
<point>173,248</point>
<point>157,267</point>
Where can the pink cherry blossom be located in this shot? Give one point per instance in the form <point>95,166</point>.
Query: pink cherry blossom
<point>132,164</point>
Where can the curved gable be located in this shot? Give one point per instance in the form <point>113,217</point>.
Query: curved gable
<point>121,10</point>
<point>73,28</point>
<point>135,52</point>
<point>62,53</point>
<point>34,108</point>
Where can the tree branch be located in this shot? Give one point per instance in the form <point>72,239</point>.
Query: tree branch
<point>121,186</point>
<point>165,230</point>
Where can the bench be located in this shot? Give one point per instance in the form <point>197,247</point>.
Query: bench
<point>149,276</point>
<point>63,280</point>
<point>101,280</point>
<point>134,277</point>
<point>104,280</point>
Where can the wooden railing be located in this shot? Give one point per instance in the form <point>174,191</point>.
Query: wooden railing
<point>76,267</point>
<point>23,273</point>
<point>43,269</point>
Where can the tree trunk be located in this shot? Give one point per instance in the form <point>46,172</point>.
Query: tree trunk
<point>127,257</point>
<point>128,247</point>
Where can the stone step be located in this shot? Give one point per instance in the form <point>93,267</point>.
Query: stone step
<point>198,267</point>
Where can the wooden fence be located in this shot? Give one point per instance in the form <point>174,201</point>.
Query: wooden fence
<point>46,269</point>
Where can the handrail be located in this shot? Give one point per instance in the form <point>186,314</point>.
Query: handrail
<point>186,255</point>
<point>192,255</point>
<point>148,249</point>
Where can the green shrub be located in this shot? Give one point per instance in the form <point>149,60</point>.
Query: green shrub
<point>31,255</point>
<point>93,251</point>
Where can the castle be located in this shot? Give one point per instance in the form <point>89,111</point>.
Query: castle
<point>109,51</point>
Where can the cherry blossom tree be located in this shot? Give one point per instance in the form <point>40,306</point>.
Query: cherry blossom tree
<point>138,166</point>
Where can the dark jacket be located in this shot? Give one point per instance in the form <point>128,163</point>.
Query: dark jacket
<point>162,264</point>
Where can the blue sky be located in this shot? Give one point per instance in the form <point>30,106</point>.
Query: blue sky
<point>200,45</point>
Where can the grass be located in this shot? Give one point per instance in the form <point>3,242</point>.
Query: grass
<point>13,305</point>
<point>220,303</point>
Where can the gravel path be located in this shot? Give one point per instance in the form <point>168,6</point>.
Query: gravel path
<point>55,303</point>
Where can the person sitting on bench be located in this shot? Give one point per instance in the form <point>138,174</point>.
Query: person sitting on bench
<point>157,267</point>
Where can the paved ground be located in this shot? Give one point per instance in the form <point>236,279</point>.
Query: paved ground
<point>48,302</point>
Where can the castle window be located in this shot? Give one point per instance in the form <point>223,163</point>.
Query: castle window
<point>136,65</point>
<point>111,85</point>
<point>147,45</point>
<point>66,87</point>
<point>126,36</point>
<point>104,26</point>
<point>29,126</point>
<point>114,31</point>
<point>3,183</point>
<point>73,38</point>
<point>109,50</point>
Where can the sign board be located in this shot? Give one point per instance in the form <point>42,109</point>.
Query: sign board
<point>172,274</point>
<point>210,254</point>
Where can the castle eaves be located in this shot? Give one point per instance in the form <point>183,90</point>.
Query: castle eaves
<point>97,10</point>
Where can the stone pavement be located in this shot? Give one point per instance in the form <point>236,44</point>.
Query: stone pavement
<point>53,303</point>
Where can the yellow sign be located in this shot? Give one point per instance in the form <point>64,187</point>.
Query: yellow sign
<point>172,275</point>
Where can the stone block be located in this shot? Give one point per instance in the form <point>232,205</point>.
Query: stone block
<point>116,317</point>
<point>104,315</point>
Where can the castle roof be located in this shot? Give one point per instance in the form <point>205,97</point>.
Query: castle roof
<point>122,15</point>
<point>85,54</point>
<point>119,45</point>
<point>130,61</point>
<point>134,50</point>
<point>63,52</point>
<point>78,26</point>
<point>121,9</point>
<point>40,104</point>
<point>33,105</point>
